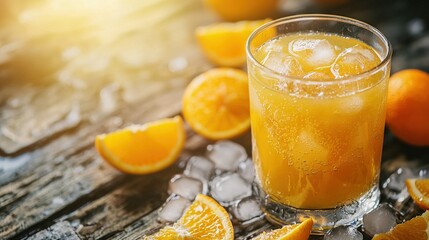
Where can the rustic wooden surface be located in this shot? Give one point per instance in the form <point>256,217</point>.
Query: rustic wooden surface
<point>63,190</point>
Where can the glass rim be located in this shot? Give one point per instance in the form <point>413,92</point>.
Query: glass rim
<point>295,18</point>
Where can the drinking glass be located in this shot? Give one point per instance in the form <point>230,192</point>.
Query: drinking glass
<point>317,143</point>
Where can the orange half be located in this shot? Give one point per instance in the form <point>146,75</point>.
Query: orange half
<point>216,103</point>
<point>142,149</point>
<point>224,44</point>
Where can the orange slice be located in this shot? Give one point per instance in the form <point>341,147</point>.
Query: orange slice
<point>419,191</point>
<point>224,44</point>
<point>204,219</point>
<point>289,232</point>
<point>216,103</point>
<point>142,149</point>
<point>414,229</point>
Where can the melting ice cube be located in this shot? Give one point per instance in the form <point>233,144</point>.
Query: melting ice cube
<point>317,76</point>
<point>247,170</point>
<point>186,187</point>
<point>353,60</point>
<point>380,220</point>
<point>226,155</point>
<point>109,98</point>
<point>343,233</point>
<point>423,172</point>
<point>200,168</point>
<point>394,187</point>
<point>246,209</point>
<point>173,208</point>
<point>351,104</point>
<point>317,52</point>
<point>229,187</point>
<point>283,64</point>
<point>307,146</point>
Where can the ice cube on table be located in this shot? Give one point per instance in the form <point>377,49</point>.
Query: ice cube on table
<point>354,60</point>
<point>229,187</point>
<point>226,155</point>
<point>394,189</point>
<point>173,208</point>
<point>423,172</point>
<point>380,220</point>
<point>110,98</point>
<point>246,209</point>
<point>247,170</point>
<point>316,52</point>
<point>186,187</point>
<point>282,63</point>
<point>200,168</point>
<point>343,233</point>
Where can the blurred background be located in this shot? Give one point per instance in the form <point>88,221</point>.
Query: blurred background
<point>67,62</point>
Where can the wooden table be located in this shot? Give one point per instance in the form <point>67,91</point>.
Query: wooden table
<point>55,186</point>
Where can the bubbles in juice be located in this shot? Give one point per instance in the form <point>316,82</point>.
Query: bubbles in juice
<point>317,143</point>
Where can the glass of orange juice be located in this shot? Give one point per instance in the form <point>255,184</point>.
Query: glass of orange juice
<point>318,86</point>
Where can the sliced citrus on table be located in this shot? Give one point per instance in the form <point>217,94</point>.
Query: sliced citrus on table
<point>407,106</point>
<point>142,149</point>
<point>419,191</point>
<point>224,44</point>
<point>299,231</point>
<point>216,103</point>
<point>414,229</point>
<point>204,219</point>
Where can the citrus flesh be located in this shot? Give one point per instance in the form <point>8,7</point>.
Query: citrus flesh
<point>204,219</point>
<point>224,44</point>
<point>289,232</point>
<point>142,149</point>
<point>216,103</point>
<point>414,229</point>
<point>419,191</point>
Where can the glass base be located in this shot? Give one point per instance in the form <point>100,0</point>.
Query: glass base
<point>350,214</point>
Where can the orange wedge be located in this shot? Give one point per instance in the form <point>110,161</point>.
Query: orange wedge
<point>414,229</point>
<point>142,149</point>
<point>216,103</point>
<point>204,219</point>
<point>419,191</point>
<point>224,44</point>
<point>289,232</point>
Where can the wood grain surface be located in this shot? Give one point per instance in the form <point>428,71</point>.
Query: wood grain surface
<point>59,188</point>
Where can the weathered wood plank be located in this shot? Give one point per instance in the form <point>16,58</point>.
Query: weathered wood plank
<point>148,224</point>
<point>140,196</point>
<point>49,168</point>
<point>32,112</point>
<point>60,183</point>
<point>58,231</point>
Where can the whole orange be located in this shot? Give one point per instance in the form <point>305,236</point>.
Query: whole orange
<point>408,106</point>
<point>236,10</point>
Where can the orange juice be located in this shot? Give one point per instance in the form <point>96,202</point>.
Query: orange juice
<point>317,132</point>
